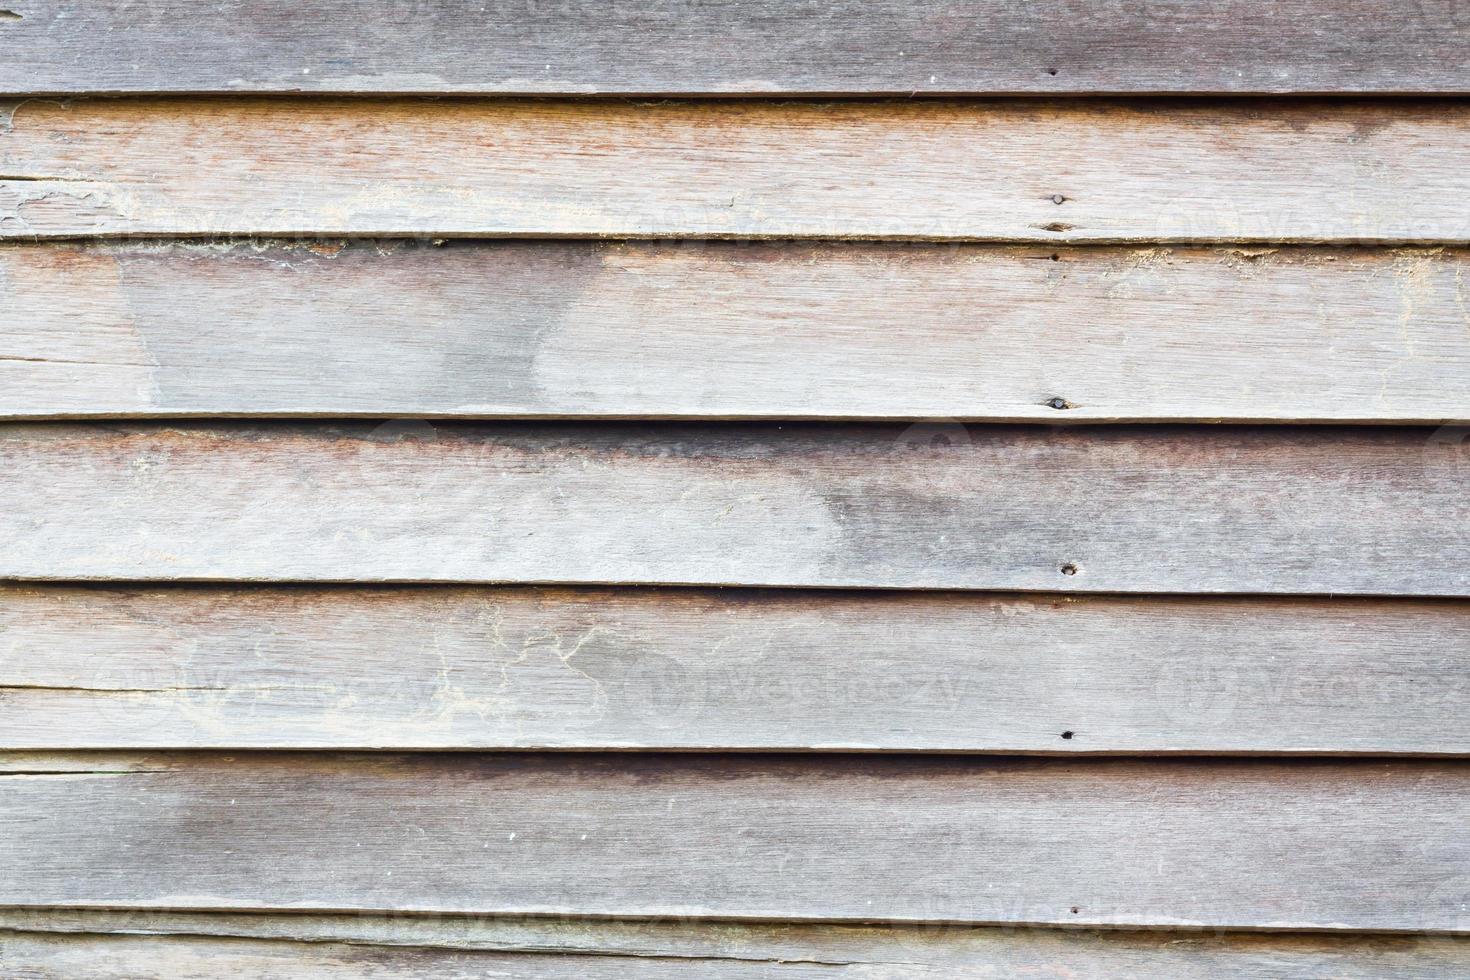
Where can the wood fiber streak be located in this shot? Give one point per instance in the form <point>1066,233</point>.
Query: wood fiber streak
<point>1021,171</point>
<point>516,329</point>
<point>898,951</point>
<point>447,668</point>
<point>941,506</point>
<point>1311,845</point>
<point>744,952</point>
<point>899,47</point>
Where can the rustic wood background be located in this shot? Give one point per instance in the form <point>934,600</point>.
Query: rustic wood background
<point>685,488</point>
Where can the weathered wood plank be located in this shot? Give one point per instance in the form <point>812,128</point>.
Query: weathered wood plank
<point>771,46</point>
<point>683,669</point>
<point>899,951</point>
<point>723,331</point>
<point>1015,171</point>
<point>900,954</point>
<point>1117,509</point>
<point>1309,845</point>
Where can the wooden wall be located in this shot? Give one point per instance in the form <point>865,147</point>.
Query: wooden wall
<point>714,490</point>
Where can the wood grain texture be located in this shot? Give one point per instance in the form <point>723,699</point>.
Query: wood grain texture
<point>889,951</point>
<point>995,171</point>
<point>709,46</point>
<point>1310,845</point>
<point>1116,509</point>
<point>722,330</point>
<point>682,669</point>
<point>965,954</point>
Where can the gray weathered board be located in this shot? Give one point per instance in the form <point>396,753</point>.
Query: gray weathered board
<point>449,668</point>
<point>724,330</point>
<point>1254,845</point>
<point>934,505</point>
<point>755,47</point>
<point>1000,170</point>
<point>740,952</point>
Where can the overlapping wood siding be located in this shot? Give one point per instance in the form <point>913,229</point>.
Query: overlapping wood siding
<point>817,513</point>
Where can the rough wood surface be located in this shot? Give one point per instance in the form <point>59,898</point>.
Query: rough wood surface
<point>744,953</point>
<point>709,46</point>
<point>727,330</point>
<point>441,668</point>
<point>1015,171</point>
<point>889,951</point>
<point>1116,509</point>
<point>1309,845</point>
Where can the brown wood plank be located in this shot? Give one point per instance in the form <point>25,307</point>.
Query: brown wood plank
<point>722,330</point>
<point>446,668</point>
<point>936,170</point>
<point>1309,845</point>
<point>771,46</point>
<point>739,952</point>
<point>898,951</point>
<point>1116,509</point>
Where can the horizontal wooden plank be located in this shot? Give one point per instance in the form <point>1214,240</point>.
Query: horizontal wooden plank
<point>446,668</point>
<point>906,954</point>
<point>708,46</point>
<point>723,330</point>
<point>996,171</point>
<point>898,951</point>
<point>1117,509</point>
<point>1306,845</point>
